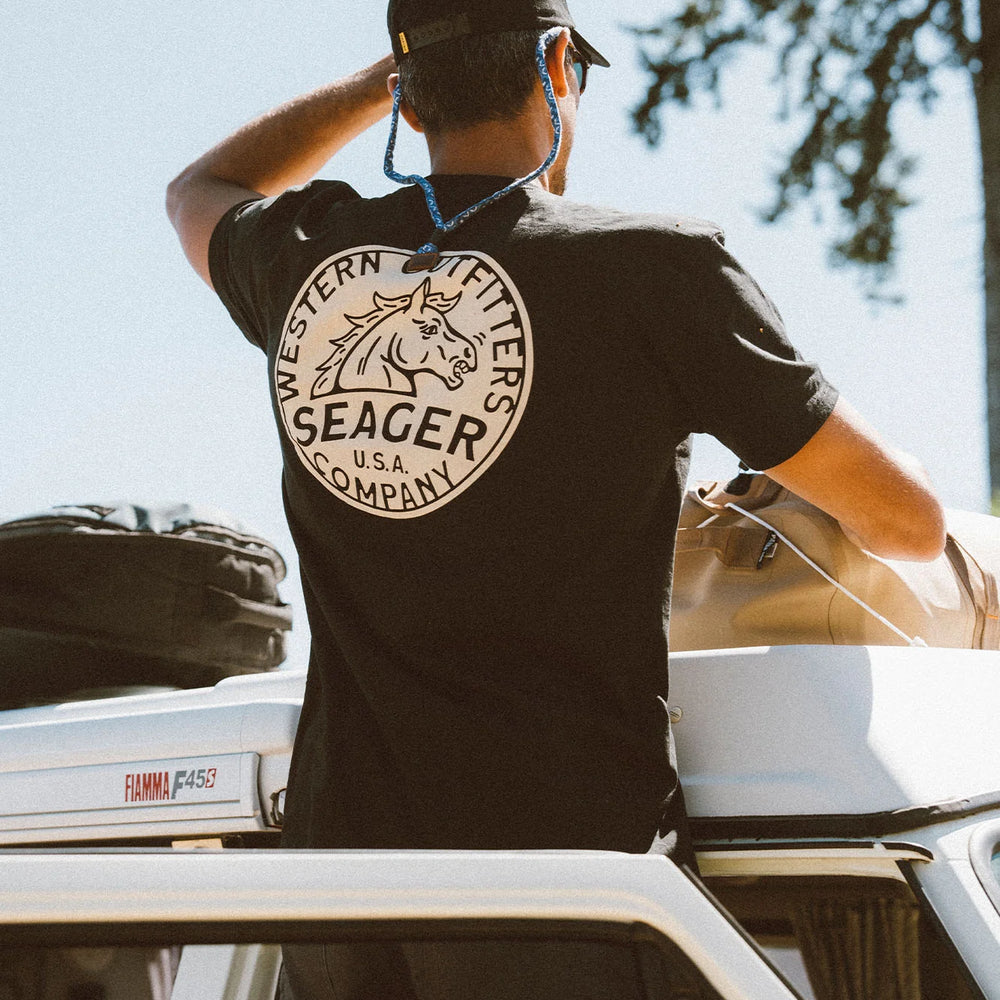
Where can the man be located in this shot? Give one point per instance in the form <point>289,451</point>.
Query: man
<point>484,418</point>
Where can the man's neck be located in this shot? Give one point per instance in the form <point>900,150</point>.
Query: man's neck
<point>501,149</point>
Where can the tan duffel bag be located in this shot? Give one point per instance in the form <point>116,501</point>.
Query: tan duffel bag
<point>757,565</point>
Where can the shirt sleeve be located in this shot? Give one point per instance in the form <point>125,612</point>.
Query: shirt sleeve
<point>741,379</point>
<point>250,241</point>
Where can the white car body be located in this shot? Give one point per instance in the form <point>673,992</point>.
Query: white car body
<point>870,768</point>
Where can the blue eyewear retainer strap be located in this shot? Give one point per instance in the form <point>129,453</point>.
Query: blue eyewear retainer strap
<point>441,226</point>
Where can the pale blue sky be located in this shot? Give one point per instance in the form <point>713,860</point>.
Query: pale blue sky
<point>124,377</point>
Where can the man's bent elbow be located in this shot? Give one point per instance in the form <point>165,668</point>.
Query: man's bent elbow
<point>173,197</point>
<point>923,545</point>
<point>179,192</point>
<point>196,200</point>
<point>882,496</point>
<point>915,529</point>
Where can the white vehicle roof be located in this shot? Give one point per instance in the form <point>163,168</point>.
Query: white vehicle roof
<point>150,894</point>
<point>801,741</point>
<point>837,740</point>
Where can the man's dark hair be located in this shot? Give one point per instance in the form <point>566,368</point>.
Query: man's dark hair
<point>463,82</point>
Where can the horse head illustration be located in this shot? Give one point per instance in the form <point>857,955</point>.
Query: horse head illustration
<point>399,338</point>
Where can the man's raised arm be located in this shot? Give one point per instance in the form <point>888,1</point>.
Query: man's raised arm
<point>881,496</point>
<point>282,148</point>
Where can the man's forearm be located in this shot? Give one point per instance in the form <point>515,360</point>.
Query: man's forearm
<point>282,148</point>
<point>288,145</point>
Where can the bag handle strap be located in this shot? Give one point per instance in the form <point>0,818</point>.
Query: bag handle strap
<point>735,546</point>
<point>224,606</point>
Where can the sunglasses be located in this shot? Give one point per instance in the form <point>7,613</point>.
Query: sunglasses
<point>580,66</point>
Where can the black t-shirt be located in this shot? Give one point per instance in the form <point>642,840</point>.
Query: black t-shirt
<point>483,466</point>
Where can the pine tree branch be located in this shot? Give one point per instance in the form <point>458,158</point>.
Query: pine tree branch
<point>849,64</point>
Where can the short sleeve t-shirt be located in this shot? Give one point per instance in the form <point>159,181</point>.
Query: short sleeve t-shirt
<point>482,472</point>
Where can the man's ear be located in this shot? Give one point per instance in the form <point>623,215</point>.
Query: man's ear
<point>392,82</point>
<point>555,61</point>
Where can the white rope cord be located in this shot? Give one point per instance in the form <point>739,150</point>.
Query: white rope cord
<point>915,641</point>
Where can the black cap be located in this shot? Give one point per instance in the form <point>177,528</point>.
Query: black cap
<point>414,24</point>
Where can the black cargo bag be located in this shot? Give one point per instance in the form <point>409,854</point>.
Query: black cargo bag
<point>125,595</point>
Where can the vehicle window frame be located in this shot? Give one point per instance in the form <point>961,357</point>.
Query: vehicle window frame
<point>908,858</point>
<point>940,928</point>
<point>984,845</point>
<point>636,935</point>
<point>747,937</point>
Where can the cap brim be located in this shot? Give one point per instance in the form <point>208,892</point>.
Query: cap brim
<point>585,48</point>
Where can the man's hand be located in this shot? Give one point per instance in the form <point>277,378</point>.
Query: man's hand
<point>282,148</point>
<point>881,496</point>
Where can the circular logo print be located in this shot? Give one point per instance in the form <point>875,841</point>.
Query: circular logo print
<point>399,390</point>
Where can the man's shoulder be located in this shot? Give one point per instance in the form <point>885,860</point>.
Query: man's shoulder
<point>641,247</point>
<point>591,219</point>
<point>318,195</point>
<point>296,207</point>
